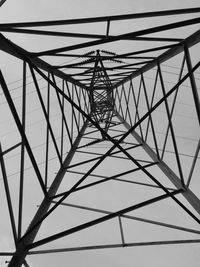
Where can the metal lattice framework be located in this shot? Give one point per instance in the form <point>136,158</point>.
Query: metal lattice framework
<point>108,142</point>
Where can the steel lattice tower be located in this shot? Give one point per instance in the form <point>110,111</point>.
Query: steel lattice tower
<point>109,141</point>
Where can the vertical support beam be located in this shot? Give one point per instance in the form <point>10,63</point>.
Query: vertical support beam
<point>136,102</point>
<point>22,250</point>
<point>150,116</point>
<point>193,82</point>
<point>193,164</point>
<point>21,131</point>
<point>21,187</point>
<point>47,135</point>
<point>61,109</point>
<point>79,101</point>
<point>45,113</point>
<point>151,104</point>
<point>7,190</point>
<point>121,231</point>
<point>72,114</point>
<point>127,99</point>
<point>107,28</point>
<point>172,108</point>
<point>171,127</point>
<point>62,124</point>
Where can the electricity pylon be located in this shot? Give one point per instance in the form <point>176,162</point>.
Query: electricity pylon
<point>107,134</point>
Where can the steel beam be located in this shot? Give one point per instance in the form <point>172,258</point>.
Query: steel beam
<point>120,37</point>
<point>21,189</point>
<point>130,217</point>
<point>27,241</point>
<point>8,196</point>
<point>2,2</point>
<point>105,18</point>
<point>102,219</point>
<point>21,131</point>
<point>193,83</point>
<point>136,244</point>
<point>85,35</point>
<point>16,51</point>
<point>175,50</point>
<point>22,250</point>
<point>187,193</point>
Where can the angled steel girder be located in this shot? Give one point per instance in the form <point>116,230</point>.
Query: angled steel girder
<point>188,42</point>
<point>16,51</point>
<point>2,2</point>
<point>19,257</point>
<point>102,118</point>
<point>187,193</point>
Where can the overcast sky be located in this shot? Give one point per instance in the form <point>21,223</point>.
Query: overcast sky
<point>156,256</point>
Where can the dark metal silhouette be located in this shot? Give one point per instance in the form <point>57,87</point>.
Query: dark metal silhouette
<point>99,104</point>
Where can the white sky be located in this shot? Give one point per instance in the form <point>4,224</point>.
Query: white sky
<point>163,256</point>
